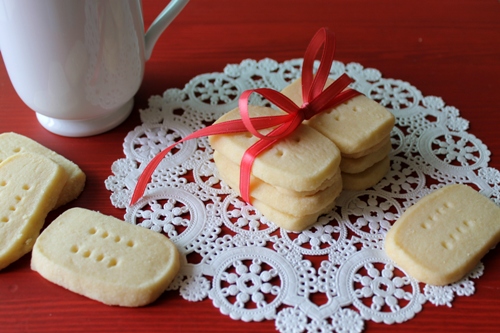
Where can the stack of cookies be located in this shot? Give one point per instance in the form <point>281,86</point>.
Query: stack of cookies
<point>13,143</point>
<point>300,177</point>
<point>293,182</point>
<point>361,129</point>
<point>33,181</point>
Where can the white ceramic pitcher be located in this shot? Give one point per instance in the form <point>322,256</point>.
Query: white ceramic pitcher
<point>78,63</point>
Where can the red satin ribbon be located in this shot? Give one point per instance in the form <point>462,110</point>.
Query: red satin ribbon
<point>316,100</point>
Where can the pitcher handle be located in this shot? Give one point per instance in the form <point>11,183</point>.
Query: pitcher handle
<point>161,23</point>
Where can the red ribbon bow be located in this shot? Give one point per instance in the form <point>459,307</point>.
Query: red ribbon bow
<point>316,100</point>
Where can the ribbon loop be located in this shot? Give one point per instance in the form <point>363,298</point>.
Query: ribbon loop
<point>316,100</point>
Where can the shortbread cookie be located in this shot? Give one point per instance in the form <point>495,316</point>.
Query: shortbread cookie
<point>13,143</point>
<point>295,205</point>
<point>300,162</point>
<point>326,184</point>
<point>444,235</point>
<point>105,259</point>
<point>287,221</point>
<point>29,187</point>
<point>369,150</point>
<point>353,126</point>
<point>357,165</point>
<point>367,178</point>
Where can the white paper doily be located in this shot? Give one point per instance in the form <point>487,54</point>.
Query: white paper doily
<point>331,277</point>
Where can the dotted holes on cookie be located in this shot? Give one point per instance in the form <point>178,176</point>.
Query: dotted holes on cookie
<point>106,235</point>
<point>447,245</point>
<point>16,149</point>
<point>426,225</point>
<point>444,207</point>
<point>5,219</point>
<point>461,229</point>
<point>116,238</point>
<point>3,183</point>
<point>112,262</point>
<point>468,224</point>
<point>448,205</point>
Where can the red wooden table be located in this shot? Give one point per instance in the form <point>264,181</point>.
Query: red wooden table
<point>449,49</point>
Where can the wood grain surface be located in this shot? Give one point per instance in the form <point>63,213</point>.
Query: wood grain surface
<point>445,48</point>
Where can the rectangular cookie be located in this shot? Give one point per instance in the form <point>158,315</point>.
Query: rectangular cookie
<point>105,259</point>
<point>367,178</point>
<point>354,126</point>
<point>295,205</point>
<point>13,143</point>
<point>300,162</point>
<point>287,221</point>
<point>444,235</point>
<point>370,150</point>
<point>360,164</point>
<point>29,187</point>
<point>326,184</point>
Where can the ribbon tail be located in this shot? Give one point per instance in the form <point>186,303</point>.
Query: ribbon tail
<point>257,148</point>
<point>146,174</point>
<point>247,164</point>
<point>231,126</point>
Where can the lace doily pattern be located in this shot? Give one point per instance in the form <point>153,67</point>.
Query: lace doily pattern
<point>329,278</point>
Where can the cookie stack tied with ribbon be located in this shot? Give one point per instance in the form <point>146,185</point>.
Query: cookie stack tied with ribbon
<point>293,182</point>
<point>290,162</point>
<point>361,129</point>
